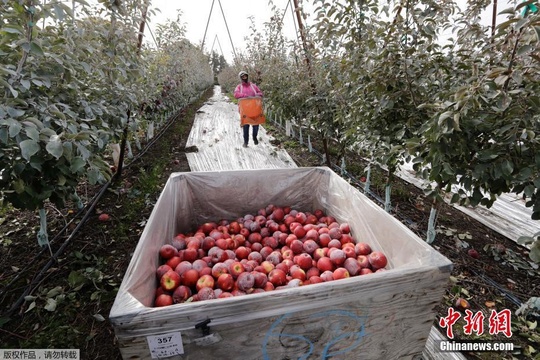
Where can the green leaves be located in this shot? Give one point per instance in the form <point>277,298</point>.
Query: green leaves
<point>29,148</point>
<point>54,147</point>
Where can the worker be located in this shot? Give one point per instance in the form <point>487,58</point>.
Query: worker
<point>247,89</point>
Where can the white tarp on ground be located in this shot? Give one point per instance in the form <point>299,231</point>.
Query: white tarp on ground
<point>217,135</point>
<point>508,216</point>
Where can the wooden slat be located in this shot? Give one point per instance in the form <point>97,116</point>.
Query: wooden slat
<point>357,318</point>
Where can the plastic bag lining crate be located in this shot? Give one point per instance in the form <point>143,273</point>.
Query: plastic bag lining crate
<point>385,315</point>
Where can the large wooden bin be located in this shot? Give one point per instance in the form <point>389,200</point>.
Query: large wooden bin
<point>385,315</point>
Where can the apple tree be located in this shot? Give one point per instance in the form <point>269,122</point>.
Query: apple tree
<point>65,90</point>
<point>482,140</point>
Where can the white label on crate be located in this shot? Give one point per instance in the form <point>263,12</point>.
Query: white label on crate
<point>165,345</point>
<point>208,340</point>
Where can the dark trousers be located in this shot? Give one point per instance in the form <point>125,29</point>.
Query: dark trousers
<point>246,132</point>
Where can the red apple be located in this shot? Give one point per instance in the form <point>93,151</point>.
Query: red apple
<point>190,254</point>
<point>179,242</point>
<point>182,267</point>
<point>236,268</point>
<point>104,217</point>
<point>206,293</point>
<point>190,278</point>
<point>270,242</point>
<point>301,218</point>
<point>225,282</point>
<point>365,271</point>
<point>473,253</point>
<point>193,242</point>
<point>275,257</point>
<point>170,280</point>
<point>268,286</point>
<point>207,243</point>
<point>225,294</point>
<point>267,266</point>
<point>255,256</point>
<point>304,260</point>
<point>377,260</point>
<point>299,232</point>
<point>325,264</point>
<point>167,251</point>
<point>327,275</point>
<point>222,243</point>
<point>278,214</point>
<point>334,232</point>
<point>181,294</point>
<point>347,239</point>
<point>163,300</point>
<point>312,271</point>
<point>205,281</point>
<point>245,281</point>
<point>287,254</point>
<point>344,228</point>
<point>362,248</point>
<point>297,272</point>
<point>283,266</point>
<point>324,239</point>
<point>162,269</point>
<point>219,269</point>
<point>363,261</point>
<point>208,227</point>
<point>244,232</point>
<point>205,271</point>
<point>340,273</point>
<point>242,252</point>
<point>318,253</point>
<point>265,251</point>
<point>310,246</point>
<point>260,279</point>
<point>337,256</point>
<point>352,265</point>
<point>334,243</point>
<point>234,227</point>
<point>199,264</point>
<point>277,277</point>
<point>297,246</point>
<point>349,251</point>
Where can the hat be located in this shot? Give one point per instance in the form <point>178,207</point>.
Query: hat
<point>242,73</point>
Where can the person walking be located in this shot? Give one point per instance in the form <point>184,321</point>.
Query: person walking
<point>247,89</point>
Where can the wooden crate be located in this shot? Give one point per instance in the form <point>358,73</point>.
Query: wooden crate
<point>386,315</point>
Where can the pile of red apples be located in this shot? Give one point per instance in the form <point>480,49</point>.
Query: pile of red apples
<point>276,248</point>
